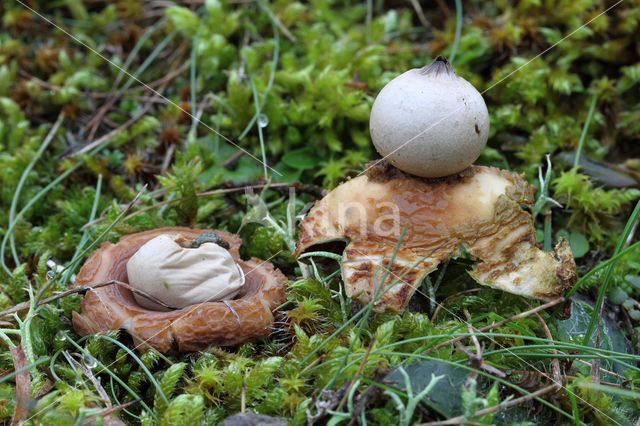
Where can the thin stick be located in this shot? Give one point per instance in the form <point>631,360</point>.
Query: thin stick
<point>231,160</point>
<point>23,385</point>
<point>460,293</point>
<point>83,289</point>
<point>486,367</point>
<point>420,13</point>
<point>167,159</point>
<point>604,370</point>
<point>498,324</point>
<point>595,363</point>
<point>243,398</point>
<point>476,342</point>
<point>555,363</point>
<point>504,405</point>
<point>143,111</point>
<point>280,25</point>
<point>166,79</point>
<point>445,8</point>
<point>95,121</point>
<point>476,359</point>
<point>175,200</point>
<point>111,134</point>
<point>111,411</point>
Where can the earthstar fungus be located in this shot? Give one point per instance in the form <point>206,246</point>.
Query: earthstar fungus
<point>477,210</point>
<point>247,317</point>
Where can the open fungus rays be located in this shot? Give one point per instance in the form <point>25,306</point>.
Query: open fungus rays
<point>478,210</point>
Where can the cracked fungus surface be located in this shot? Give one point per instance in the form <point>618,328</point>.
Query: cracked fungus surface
<point>478,211</point>
<point>247,317</point>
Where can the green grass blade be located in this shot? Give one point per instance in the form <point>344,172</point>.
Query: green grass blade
<point>113,375</point>
<point>152,56</point>
<point>16,196</point>
<point>456,39</point>
<point>85,235</point>
<point>29,204</point>
<point>14,373</point>
<point>192,88</point>
<point>609,262</point>
<point>609,272</point>
<point>134,52</point>
<point>272,74</point>
<point>585,128</point>
<point>369,307</point>
<point>259,125</point>
<point>135,357</point>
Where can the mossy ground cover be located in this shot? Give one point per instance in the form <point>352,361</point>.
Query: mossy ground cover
<point>177,104</point>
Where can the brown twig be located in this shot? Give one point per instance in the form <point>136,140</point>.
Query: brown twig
<point>595,363</point>
<point>40,82</point>
<point>243,397</point>
<point>445,8</point>
<point>231,160</point>
<point>420,13</point>
<point>116,95</point>
<point>486,367</point>
<point>200,194</point>
<point>604,370</point>
<point>23,385</point>
<point>476,342</point>
<point>167,159</point>
<point>166,79</point>
<point>555,362</point>
<point>312,364</point>
<point>45,389</point>
<point>499,323</point>
<point>111,134</point>
<point>476,359</point>
<point>460,293</point>
<point>93,124</point>
<point>111,411</point>
<point>499,407</point>
<point>82,290</point>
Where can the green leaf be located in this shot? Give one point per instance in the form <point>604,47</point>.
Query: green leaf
<point>618,296</point>
<point>634,280</point>
<point>304,159</point>
<point>574,329</point>
<point>579,244</point>
<point>445,396</point>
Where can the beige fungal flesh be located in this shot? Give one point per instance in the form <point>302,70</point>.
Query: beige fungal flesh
<point>478,210</point>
